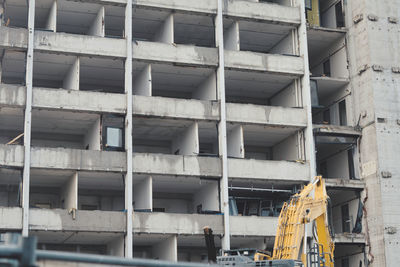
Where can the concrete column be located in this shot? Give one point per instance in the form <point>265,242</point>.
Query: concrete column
<point>236,142</point>
<point>116,247</point>
<point>165,33</point>
<point>306,91</point>
<point>71,79</point>
<point>143,194</point>
<point>187,143</point>
<point>166,249</point>
<point>128,132</point>
<point>92,140</point>
<point>28,119</point>
<point>223,153</point>
<point>97,28</point>
<point>142,84</point>
<point>207,90</point>
<point>232,38</point>
<point>69,193</point>
<point>207,197</point>
<point>51,23</point>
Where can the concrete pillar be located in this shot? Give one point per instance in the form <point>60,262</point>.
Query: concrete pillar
<point>51,23</point>
<point>166,249</point>
<point>71,79</point>
<point>92,139</point>
<point>207,197</point>
<point>142,84</point>
<point>187,143</point>
<point>207,90</point>
<point>165,34</point>
<point>116,247</point>
<point>236,142</point>
<point>97,28</point>
<point>143,194</point>
<point>69,193</point>
<point>232,38</point>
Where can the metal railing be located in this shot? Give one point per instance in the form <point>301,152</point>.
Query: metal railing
<point>20,251</point>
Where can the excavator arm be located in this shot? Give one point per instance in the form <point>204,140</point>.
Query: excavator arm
<point>310,205</point>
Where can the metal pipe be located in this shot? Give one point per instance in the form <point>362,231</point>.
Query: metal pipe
<point>111,260</point>
<point>223,151</point>
<point>28,119</point>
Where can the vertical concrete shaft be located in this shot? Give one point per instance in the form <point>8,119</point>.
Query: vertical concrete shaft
<point>28,119</point>
<point>223,151</point>
<point>306,92</point>
<point>128,132</point>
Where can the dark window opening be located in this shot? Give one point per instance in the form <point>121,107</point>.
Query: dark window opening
<point>345,219</point>
<point>158,209</point>
<point>345,262</point>
<point>327,68</point>
<point>323,169</point>
<point>342,113</point>
<point>326,116</point>
<point>339,15</point>
<point>350,153</point>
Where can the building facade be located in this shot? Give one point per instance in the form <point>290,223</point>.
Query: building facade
<point>126,126</point>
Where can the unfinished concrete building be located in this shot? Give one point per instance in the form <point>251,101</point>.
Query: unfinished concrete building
<point>127,126</point>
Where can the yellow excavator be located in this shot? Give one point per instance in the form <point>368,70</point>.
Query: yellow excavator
<point>309,206</point>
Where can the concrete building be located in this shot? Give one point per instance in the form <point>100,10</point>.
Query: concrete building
<point>126,126</point>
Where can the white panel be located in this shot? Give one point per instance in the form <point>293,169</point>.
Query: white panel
<point>207,89</point>
<point>235,142</point>
<point>187,143</point>
<point>207,197</point>
<point>51,23</point>
<point>92,140</point>
<point>166,249</point>
<point>231,37</point>
<point>71,80</point>
<point>69,192</point>
<point>116,247</point>
<point>142,85</point>
<point>165,33</point>
<point>97,28</point>
<point>143,194</point>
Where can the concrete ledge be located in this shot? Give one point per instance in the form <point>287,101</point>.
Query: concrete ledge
<point>349,238</point>
<point>76,159</point>
<point>10,218</point>
<point>175,108</point>
<point>255,114</point>
<point>181,54</point>
<point>344,183</point>
<point>253,225</point>
<point>88,221</point>
<point>148,163</point>
<point>11,155</point>
<point>271,63</point>
<point>269,170</point>
<point>203,6</point>
<point>13,37</point>
<point>12,95</point>
<point>277,14</point>
<point>173,223</point>
<point>321,129</point>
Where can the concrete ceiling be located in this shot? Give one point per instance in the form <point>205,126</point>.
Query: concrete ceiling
<point>90,238</point>
<point>146,23</point>
<point>193,29</point>
<point>266,136</point>
<point>13,64</point>
<point>320,39</point>
<point>328,85</point>
<point>181,184</point>
<point>254,84</point>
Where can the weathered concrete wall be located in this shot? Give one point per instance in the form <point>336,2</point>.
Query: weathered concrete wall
<point>253,226</point>
<point>175,223</point>
<point>10,218</point>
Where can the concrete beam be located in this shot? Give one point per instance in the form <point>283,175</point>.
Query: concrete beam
<point>277,14</point>
<point>76,159</point>
<point>269,170</point>
<point>10,219</point>
<point>12,95</point>
<point>204,6</point>
<point>344,183</point>
<point>174,108</point>
<point>89,221</point>
<point>255,114</point>
<point>349,238</point>
<point>181,224</point>
<point>147,163</point>
<point>278,64</point>
<point>11,155</point>
<point>335,130</point>
<point>253,226</point>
